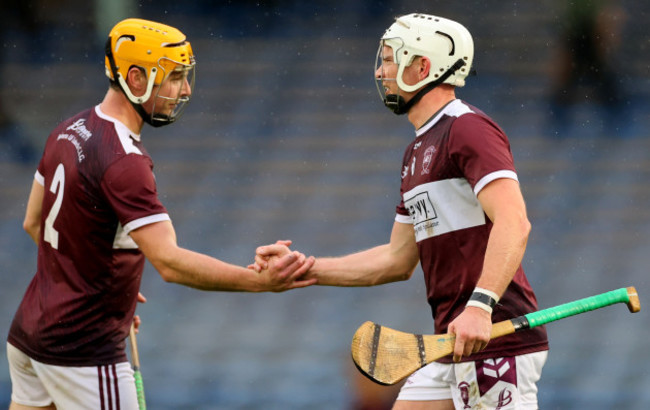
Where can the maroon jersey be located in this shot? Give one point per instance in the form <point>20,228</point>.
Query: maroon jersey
<point>455,155</point>
<point>99,185</point>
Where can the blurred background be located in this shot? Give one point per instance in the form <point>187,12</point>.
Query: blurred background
<point>286,138</point>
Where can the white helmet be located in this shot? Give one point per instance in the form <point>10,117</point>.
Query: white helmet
<point>446,43</point>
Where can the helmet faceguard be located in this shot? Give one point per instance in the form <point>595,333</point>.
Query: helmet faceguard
<point>447,44</point>
<point>164,55</point>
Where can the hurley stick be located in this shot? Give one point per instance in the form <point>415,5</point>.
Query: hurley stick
<point>135,358</point>
<point>387,356</point>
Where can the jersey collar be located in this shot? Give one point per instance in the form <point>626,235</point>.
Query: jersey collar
<point>434,118</point>
<point>119,125</point>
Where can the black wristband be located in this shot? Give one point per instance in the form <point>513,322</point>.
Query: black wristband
<point>483,298</point>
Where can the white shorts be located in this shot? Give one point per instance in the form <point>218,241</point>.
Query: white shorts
<point>108,387</point>
<point>504,383</point>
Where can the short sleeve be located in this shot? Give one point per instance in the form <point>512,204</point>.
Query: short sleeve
<point>481,150</point>
<point>40,171</point>
<point>401,213</point>
<point>130,187</point>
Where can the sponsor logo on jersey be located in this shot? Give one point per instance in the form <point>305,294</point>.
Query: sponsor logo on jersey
<point>423,213</point>
<point>447,205</point>
<point>77,145</point>
<point>80,128</point>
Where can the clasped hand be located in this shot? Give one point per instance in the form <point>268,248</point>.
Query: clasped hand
<point>284,269</point>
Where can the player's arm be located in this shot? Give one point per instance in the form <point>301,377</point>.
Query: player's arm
<point>32,221</point>
<point>157,241</point>
<point>503,203</point>
<point>394,261</point>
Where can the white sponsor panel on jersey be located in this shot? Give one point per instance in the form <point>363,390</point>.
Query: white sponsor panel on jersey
<point>443,206</point>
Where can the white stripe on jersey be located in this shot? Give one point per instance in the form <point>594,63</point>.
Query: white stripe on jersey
<point>137,223</point>
<point>443,206</point>
<point>124,241</point>
<point>403,219</point>
<point>39,178</point>
<point>493,176</point>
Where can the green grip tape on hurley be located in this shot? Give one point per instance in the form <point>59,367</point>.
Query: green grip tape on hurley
<point>139,388</point>
<point>579,306</point>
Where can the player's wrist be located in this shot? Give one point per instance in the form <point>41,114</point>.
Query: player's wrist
<point>483,299</point>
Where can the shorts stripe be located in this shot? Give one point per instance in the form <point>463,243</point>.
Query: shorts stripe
<point>109,390</point>
<point>101,387</point>
<point>117,387</point>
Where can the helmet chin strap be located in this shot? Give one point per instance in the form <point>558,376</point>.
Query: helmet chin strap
<point>397,104</point>
<point>151,118</point>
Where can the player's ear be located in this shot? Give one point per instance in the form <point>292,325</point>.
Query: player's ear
<point>425,67</point>
<point>136,80</point>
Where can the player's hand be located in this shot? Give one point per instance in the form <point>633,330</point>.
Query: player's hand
<point>286,272</point>
<point>472,329</point>
<point>283,269</point>
<point>264,253</point>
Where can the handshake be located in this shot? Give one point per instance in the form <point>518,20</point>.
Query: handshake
<point>282,269</point>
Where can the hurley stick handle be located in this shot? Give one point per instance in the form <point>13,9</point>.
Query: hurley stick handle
<point>135,357</point>
<point>628,296</point>
<point>137,375</point>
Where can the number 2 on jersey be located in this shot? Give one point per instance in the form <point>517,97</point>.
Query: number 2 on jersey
<point>50,234</point>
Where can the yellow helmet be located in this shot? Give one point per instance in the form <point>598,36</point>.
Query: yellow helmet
<point>157,48</point>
